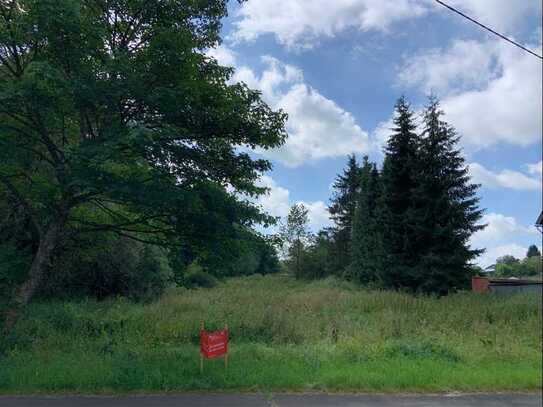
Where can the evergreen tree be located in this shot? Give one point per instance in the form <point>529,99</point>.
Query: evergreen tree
<point>366,265</point>
<point>446,210</point>
<point>533,251</point>
<point>398,183</point>
<point>342,209</point>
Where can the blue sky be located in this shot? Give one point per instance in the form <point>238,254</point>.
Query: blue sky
<point>338,67</point>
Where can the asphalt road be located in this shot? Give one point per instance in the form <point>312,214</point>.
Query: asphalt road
<point>280,400</point>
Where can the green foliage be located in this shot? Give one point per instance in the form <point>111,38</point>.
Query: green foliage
<point>196,277</point>
<point>428,209</point>
<point>286,334</point>
<point>420,350</point>
<point>14,265</point>
<point>446,211</point>
<point>244,252</point>
<point>529,267</point>
<point>316,261</point>
<point>295,234</point>
<point>114,119</point>
<point>533,251</point>
<point>105,265</point>
<point>367,242</point>
<point>399,179</point>
<point>477,271</point>
<point>342,212</point>
<point>412,222</point>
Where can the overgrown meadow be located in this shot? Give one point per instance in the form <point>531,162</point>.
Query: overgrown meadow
<point>285,335</point>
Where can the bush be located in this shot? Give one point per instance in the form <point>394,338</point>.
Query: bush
<point>106,265</point>
<point>14,265</point>
<point>196,277</point>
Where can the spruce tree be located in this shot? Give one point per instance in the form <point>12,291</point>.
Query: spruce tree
<point>342,209</point>
<point>366,265</point>
<point>398,183</point>
<point>446,210</point>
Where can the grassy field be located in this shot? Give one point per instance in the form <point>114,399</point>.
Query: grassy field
<point>285,335</point>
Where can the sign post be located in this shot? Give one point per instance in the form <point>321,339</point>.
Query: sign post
<point>213,344</point>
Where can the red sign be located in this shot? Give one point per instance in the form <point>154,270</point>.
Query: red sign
<point>213,344</point>
<point>479,284</point>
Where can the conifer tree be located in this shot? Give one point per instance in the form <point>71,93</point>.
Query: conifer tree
<point>342,209</point>
<point>446,209</point>
<point>398,182</point>
<point>366,265</point>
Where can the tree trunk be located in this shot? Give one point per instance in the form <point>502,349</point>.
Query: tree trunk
<point>24,293</point>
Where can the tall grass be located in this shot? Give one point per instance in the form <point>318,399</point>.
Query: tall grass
<point>285,334</point>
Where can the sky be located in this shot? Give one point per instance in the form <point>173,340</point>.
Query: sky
<point>337,68</point>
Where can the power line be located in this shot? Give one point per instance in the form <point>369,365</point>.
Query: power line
<point>489,29</point>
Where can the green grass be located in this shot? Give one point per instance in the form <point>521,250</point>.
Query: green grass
<point>285,335</point>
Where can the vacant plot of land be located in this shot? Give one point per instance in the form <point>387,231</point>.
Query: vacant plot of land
<point>285,335</point>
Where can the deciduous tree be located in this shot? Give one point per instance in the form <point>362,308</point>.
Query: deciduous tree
<point>112,107</point>
<point>295,233</point>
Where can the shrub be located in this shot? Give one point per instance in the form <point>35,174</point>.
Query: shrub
<point>106,265</point>
<point>14,265</point>
<point>196,277</point>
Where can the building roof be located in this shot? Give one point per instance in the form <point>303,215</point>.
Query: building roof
<point>539,221</point>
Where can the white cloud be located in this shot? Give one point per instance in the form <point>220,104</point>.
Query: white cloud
<point>300,23</point>
<point>224,55</point>
<point>489,257</point>
<point>506,106</point>
<point>505,178</point>
<point>381,134</point>
<point>467,63</point>
<point>317,126</point>
<point>277,202</point>
<point>500,237</point>
<point>318,214</point>
<point>499,228</point>
<point>507,110</point>
<point>497,14</point>
<point>535,169</point>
